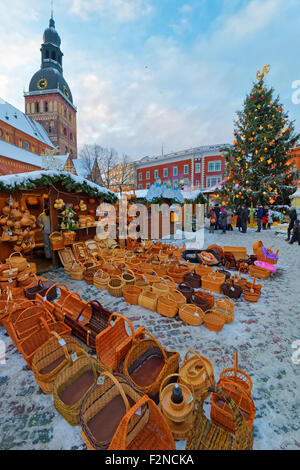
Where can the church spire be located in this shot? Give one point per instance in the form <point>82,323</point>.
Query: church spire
<point>52,22</point>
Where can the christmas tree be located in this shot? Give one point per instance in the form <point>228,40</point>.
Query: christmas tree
<point>257,166</point>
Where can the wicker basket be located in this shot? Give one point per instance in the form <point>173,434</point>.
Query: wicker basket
<point>153,434</point>
<point>231,290</point>
<point>253,293</point>
<point>101,279</point>
<point>237,376</point>
<point>148,299</point>
<point>191,314</point>
<point>128,277</point>
<point>186,290</point>
<point>76,271</point>
<point>213,321</point>
<point>206,435</point>
<point>225,308</point>
<point>203,269</point>
<point>193,279</point>
<point>57,241</point>
<point>221,414</point>
<point>208,257</point>
<point>88,275</point>
<point>260,273</point>
<point>204,300</point>
<point>113,343</point>
<point>148,363</point>
<point>29,346</point>
<point>17,261</point>
<point>213,282</point>
<point>179,297</point>
<point>103,408</point>
<point>72,384</point>
<point>198,371</point>
<point>167,305</point>
<point>131,294</point>
<point>161,287</point>
<point>115,286</point>
<point>239,252</point>
<point>177,272</point>
<point>69,237</point>
<point>52,357</point>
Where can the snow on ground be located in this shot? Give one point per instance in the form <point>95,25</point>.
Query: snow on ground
<point>263,334</point>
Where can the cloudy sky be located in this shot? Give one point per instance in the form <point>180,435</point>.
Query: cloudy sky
<point>149,72</point>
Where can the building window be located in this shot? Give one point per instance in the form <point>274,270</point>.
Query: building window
<point>140,176</point>
<point>66,150</point>
<point>28,108</point>
<point>165,172</point>
<point>33,149</point>
<point>37,107</point>
<point>175,171</point>
<point>156,175</point>
<point>26,145</point>
<point>47,54</point>
<point>197,183</point>
<point>147,175</point>
<point>53,55</point>
<point>175,181</point>
<point>65,112</point>
<point>147,185</point>
<point>214,166</point>
<point>213,180</point>
<point>20,143</point>
<point>65,131</point>
<point>140,186</point>
<point>46,107</point>
<point>197,168</point>
<point>186,169</point>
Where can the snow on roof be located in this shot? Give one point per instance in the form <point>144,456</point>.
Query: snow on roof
<point>81,167</point>
<point>32,176</point>
<point>15,118</point>
<point>21,155</point>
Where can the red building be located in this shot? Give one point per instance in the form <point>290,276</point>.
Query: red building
<point>199,167</point>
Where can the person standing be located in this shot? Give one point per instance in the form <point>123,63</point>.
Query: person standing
<point>293,218</point>
<point>265,217</point>
<point>43,221</point>
<point>229,219</point>
<point>259,216</point>
<point>223,219</point>
<point>213,219</point>
<point>244,218</point>
<point>238,220</point>
<point>217,212</point>
<point>270,220</point>
<point>296,233</point>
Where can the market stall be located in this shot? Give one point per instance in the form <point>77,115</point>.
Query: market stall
<point>72,202</point>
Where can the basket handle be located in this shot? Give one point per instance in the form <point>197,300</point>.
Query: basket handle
<point>227,380</point>
<point>54,233</point>
<point>28,308</point>
<point>119,387</point>
<point>44,324</point>
<point>18,253</point>
<point>201,360</point>
<point>130,272</point>
<point>174,375</point>
<point>157,343</point>
<point>64,347</point>
<point>226,298</point>
<point>119,315</point>
<point>59,284</point>
<point>236,363</point>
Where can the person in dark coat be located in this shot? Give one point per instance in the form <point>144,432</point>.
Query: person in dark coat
<point>244,218</point>
<point>229,219</point>
<point>223,219</point>
<point>213,219</point>
<point>217,212</point>
<point>238,220</point>
<point>293,218</point>
<point>259,216</point>
<point>296,233</point>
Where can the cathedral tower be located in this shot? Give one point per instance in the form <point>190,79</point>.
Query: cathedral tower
<point>49,100</point>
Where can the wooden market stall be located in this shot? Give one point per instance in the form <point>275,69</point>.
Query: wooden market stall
<point>30,193</point>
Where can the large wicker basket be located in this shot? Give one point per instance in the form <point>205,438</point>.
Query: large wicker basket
<point>206,435</point>
<point>57,241</point>
<point>198,371</point>
<point>167,305</point>
<point>131,294</point>
<point>17,261</point>
<point>115,286</point>
<point>103,408</point>
<point>191,314</point>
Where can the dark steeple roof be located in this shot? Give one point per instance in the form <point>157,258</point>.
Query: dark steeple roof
<point>50,76</point>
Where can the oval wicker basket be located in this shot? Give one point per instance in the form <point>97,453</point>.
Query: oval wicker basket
<point>57,241</point>
<point>51,358</point>
<point>213,322</point>
<point>72,384</point>
<point>103,408</point>
<point>225,308</point>
<point>186,290</point>
<point>131,294</point>
<point>204,300</point>
<point>148,299</point>
<point>193,279</point>
<point>191,314</point>
<point>128,277</point>
<point>161,287</point>
<point>253,293</point>
<point>167,305</point>
<point>17,261</point>
<point>101,279</point>
<point>232,291</point>
<point>115,286</point>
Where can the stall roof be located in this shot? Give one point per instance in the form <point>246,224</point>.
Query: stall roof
<point>72,183</point>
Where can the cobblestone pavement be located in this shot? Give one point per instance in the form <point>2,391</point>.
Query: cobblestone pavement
<point>262,333</point>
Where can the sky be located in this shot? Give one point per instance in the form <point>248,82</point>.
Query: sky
<point>151,73</point>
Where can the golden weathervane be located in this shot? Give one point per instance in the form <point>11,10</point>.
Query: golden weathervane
<point>265,71</point>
